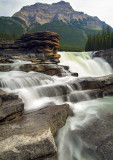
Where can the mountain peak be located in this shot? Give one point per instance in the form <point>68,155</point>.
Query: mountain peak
<point>41,13</point>
<point>63,4</point>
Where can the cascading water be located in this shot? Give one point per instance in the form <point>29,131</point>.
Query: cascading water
<point>38,90</point>
<point>82,63</point>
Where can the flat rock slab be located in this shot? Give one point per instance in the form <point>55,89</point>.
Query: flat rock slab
<point>32,137</point>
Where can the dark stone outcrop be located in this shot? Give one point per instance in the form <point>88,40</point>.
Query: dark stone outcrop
<point>105,54</point>
<point>11,107</point>
<point>32,137</point>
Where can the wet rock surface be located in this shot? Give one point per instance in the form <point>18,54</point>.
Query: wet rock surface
<point>11,107</point>
<point>99,136</point>
<point>32,137</point>
<point>49,69</point>
<point>105,54</point>
<point>104,83</point>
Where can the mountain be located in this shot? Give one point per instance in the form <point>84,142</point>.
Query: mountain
<point>72,26</point>
<point>62,11</point>
<point>9,25</point>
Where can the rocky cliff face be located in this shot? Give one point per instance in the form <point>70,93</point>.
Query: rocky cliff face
<point>62,11</point>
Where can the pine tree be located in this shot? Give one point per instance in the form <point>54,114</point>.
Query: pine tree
<point>103,40</point>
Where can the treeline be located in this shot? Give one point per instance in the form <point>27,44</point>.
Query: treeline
<point>101,40</point>
<point>5,37</point>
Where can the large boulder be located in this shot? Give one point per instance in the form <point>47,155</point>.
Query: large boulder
<point>32,137</point>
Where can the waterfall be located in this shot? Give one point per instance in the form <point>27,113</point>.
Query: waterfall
<point>38,90</point>
<point>70,144</point>
<point>84,65</point>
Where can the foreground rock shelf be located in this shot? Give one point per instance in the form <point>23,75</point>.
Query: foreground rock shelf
<point>32,137</point>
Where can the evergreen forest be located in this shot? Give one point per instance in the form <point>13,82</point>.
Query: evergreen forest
<point>8,37</point>
<point>100,41</point>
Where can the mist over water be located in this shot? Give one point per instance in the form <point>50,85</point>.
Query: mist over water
<point>38,90</point>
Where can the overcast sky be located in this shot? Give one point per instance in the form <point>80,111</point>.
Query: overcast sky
<point>100,8</point>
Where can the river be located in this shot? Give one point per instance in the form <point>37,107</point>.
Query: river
<point>37,90</point>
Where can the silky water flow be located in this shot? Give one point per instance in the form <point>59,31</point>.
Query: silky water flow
<point>38,90</point>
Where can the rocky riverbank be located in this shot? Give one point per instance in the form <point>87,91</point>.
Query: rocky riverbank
<point>40,48</point>
<point>105,54</point>
<point>29,135</point>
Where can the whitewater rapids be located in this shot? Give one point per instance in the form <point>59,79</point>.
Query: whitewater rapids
<point>38,90</point>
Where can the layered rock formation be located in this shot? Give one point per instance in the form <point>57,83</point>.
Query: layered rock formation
<point>43,44</point>
<point>93,87</point>
<point>105,54</point>
<point>39,48</point>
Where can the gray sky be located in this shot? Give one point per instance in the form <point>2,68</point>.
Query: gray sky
<point>103,9</point>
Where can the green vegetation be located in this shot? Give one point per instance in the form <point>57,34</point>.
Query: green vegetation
<point>9,26</point>
<point>9,37</point>
<point>67,48</point>
<point>71,37</point>
<point>101,40</point>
